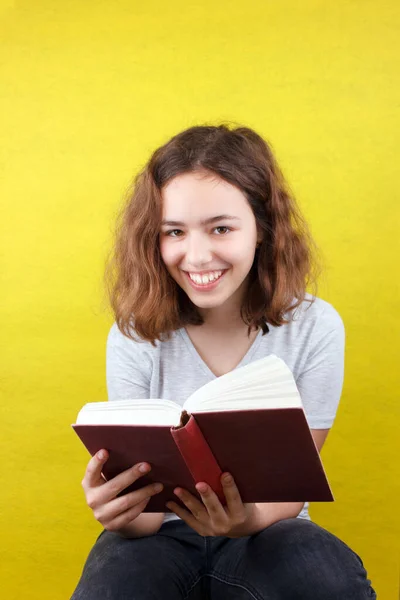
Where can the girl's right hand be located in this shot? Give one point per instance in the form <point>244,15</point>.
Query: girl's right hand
<point>101,496</point>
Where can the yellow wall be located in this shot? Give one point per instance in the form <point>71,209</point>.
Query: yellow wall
<point>88,90</point>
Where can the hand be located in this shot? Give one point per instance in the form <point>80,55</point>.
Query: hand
<point>209,517</point>
<point>112,512</point>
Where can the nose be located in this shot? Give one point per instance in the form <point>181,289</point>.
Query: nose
<point>198,251</point>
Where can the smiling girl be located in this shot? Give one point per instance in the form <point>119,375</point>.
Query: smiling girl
<point>209,273</point>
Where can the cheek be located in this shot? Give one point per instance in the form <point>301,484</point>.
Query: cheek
<point>240,254</point>
<point>168,252</point>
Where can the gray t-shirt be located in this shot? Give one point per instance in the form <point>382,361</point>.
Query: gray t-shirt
<point>312,346</point>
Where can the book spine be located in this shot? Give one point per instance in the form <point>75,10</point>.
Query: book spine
<point>198,456</point>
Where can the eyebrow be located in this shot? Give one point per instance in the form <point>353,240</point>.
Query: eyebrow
<point>205,222</point>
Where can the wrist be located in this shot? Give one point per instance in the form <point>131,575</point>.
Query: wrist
<point>253,523</point>
<point>144,525</point>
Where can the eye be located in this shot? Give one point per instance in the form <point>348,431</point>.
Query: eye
<point>172,232</point>
<point>226,230</point>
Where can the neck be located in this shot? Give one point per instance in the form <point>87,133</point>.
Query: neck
<point>222,318</point>
<point>227,316</point>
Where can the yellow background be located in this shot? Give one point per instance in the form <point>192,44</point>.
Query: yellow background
<point>89,89</point>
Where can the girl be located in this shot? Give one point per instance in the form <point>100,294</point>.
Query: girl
<point>211,263</point>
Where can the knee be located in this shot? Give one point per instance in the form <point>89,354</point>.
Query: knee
<point>116,566</point>
<point>309,558</point>
<point>307,542</point>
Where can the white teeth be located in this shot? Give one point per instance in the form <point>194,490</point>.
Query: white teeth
<point>204,279</point>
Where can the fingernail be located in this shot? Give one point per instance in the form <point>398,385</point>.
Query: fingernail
<point>158,487</point>
<point>143,468</point>
<point>227,479</point>
<point>202,488</point>
<point>101,455</point>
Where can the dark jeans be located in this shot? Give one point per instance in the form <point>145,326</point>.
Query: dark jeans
<point>290,560</point>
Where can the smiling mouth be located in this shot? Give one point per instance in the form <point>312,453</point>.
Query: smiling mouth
<point>206,280</point>
<point>206,277</point>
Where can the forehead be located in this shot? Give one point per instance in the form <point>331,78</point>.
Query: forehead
<point>193,195</point>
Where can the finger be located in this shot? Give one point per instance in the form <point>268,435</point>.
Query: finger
<point>92,477</point>
<point>193,504</point>
<point>184,515</point>
<point>110,511</point>
<point>126,517</point>
<point>117,484</point>
<point>211,502</point>
<point>234,502</point>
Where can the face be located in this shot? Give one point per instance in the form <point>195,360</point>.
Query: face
<point>208,238</point>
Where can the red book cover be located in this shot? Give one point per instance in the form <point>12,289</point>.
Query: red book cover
<point>197,454</point>
<point>270,453</point>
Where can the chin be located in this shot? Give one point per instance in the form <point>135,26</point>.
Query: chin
<point>206,305</point>
<point>206,302</point>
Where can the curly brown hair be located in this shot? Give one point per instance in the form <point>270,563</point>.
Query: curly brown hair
<point>145,299</point>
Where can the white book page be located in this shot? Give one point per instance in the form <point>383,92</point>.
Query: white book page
<point>130,412</point>
<point>265,383</point>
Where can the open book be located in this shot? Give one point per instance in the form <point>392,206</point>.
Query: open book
<point>250,422</point>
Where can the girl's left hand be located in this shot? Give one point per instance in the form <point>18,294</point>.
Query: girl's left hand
<point>210,518</point>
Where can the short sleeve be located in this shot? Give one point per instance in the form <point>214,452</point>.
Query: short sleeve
<point>127,367</point>
<point>321,382</point>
